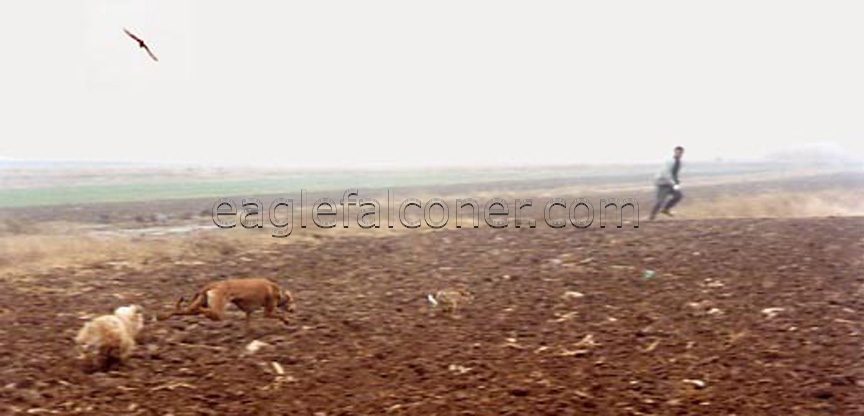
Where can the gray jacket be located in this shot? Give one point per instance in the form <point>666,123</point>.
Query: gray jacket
<point>667,176</point>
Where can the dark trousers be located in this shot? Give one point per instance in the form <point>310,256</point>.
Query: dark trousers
<point>663,193</point>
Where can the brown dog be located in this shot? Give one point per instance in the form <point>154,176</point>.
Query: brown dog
<point>450,298</point>
<point>247,294</point>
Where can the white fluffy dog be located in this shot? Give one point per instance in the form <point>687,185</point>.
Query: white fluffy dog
<point>110,339</point>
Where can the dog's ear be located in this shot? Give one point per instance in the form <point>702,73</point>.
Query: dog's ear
<point>284,298</point>
<point>287,300</point>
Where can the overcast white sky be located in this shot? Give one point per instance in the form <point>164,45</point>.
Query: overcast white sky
<point>410,83</point>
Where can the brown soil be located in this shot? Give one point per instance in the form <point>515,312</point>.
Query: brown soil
<point>365,341</point>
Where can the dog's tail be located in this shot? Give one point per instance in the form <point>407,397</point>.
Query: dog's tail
<point>178,310</point>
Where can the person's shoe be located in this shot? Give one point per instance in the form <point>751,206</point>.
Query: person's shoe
<point>667,212</point>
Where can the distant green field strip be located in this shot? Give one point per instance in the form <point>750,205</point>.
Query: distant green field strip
<point>291,184</point>
<point>131,192</point>
<point>176,190</point>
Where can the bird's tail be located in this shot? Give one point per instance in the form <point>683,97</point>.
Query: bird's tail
<point>431,298</point>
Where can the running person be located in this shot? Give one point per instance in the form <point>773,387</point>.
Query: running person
<point>667,184</point>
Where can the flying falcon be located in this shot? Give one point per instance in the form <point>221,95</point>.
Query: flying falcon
<point>141,44</point>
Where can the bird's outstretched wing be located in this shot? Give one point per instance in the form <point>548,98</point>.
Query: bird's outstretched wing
<point>131,35</point>
<point>146,48</point>
<point>141,44</point>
